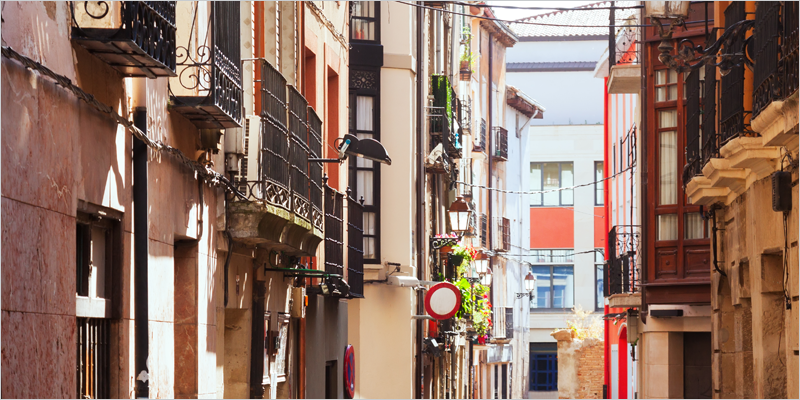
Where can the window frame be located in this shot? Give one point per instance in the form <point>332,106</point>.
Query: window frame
<point>353,167</point>
<point>375,20</point>
<point>599,266</point>
<point>599,184</point>
<point>560,184</point>
<point>568,261</point>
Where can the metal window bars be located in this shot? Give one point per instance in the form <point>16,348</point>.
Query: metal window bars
<point>298,153</point>
<point>500,143</point>
<point>789,44</point>
<point>622,274</point>
<point>481,139</point>
<point>274,137</point>
<point>138,41</point>
<point>93,356</point>
<point>484,231</point>
<point>334,231</point>
<point>465,115</point>
<point>693,144</point>
<point>503,237</point>
<point>465,175</point>
<point>210,73</point>
<point>355,247</point>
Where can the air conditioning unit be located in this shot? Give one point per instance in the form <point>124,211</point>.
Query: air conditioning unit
<point>251,146</point>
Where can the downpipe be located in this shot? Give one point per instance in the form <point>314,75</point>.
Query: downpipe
<point>141,255</point>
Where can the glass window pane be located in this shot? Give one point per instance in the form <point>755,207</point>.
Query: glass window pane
<point>668,119</point>
<point>536,183</point>
<point>693,227</point>
<point>563,287</point>
<point>668,168</point>
<point>364,113</point>
<point>673,92</point>
<point>667,227</point>
<point>551,181</point>
<point>567,179</point>
<point>673,76</point>
<point>364,187</point>
<point>598,187</point>
<point>369,247</point>
<point>542,291</point>
<point>661,94</point>
<point>661,77</point>
<point>369,223</point>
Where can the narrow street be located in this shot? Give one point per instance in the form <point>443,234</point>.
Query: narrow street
<point>400,199</point>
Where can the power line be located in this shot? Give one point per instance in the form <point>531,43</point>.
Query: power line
<point>550,190</point>
<point>523,22</point>
<point>544,8</point>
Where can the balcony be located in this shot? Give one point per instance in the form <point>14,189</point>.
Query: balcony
<point>441,117</point>
<point>625,71</point>
<point>500,143</point>
<point>334,232</point>
<point>621,283</point>
<point>465,115</point>
<point>283,200</point>
<point>208,88</point>
<point>137,38</point>
<point>503,237</point>
<point>484,226</point>
<point>729,160</point>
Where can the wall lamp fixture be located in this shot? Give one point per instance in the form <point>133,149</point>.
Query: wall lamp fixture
<point>368,148</point>
<point>689,56</point>
<point>530,285</point>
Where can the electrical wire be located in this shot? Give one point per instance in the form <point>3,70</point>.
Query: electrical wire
<point>524,22</point>
<point>630,168</point>
<point>544,8</point>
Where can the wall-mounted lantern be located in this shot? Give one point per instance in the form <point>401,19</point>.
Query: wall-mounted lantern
<point>460,213</point>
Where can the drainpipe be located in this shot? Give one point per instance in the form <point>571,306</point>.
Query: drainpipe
<point>141,253</point>
<point>489,148</point>
<point>607,223</point>
<point>643,170</point>
<point>420,200</point>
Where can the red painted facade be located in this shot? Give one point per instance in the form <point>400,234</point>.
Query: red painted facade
<point>552,228</point>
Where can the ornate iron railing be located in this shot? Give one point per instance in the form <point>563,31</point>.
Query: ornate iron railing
<point>710,141</point>
<point>275,137</point>
<point>211,74</point>
<point>790,47</point>
<point>334,231</point>
<point>481,145</point>
<point>767,85</point>
<point>315,168</point>
<point>465,115</point>
<point>500,143</point>
<point>732,112</point>
<point>622,273</point>
<point>355,247</point>
<point>693,142</point>
<point>143,45</point>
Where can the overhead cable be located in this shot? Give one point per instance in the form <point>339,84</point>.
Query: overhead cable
<point>549,190</point>
<point>203,171</point>
<point>544,8</point>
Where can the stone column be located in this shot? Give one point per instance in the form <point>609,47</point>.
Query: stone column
<point>186,337</point>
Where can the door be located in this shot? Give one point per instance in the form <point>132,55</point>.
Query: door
<point>544,372</point>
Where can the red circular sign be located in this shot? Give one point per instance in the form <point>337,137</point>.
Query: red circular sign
<point>443,300</point>
<point>349,372</point>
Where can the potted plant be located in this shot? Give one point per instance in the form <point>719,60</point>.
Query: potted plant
<point>467,61</point>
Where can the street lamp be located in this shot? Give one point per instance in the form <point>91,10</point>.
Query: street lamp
<point>460,213</point>
<point>486,279</point>
<point>689,56</point>
<point>530,285</point>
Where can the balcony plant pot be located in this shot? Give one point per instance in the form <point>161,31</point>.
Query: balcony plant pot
<point>455,260</point>
<point>465,72</point>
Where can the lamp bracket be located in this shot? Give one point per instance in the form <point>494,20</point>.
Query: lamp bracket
<point>689,56</point>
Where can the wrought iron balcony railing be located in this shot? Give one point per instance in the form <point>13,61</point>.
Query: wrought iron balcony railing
<point>334,231</point>
<point>480,145</point>
<point>767,85</point>
<point>732,111</point>
<point>208,89</point>
<point>465,115</point>
<point>622,273</point>
<point>137,38</point>
<point>500,143</point>
<point>693,142</point>
<point>789,48</point>
<point>290,135</point>
<point>441,132</point>
<point>503,236</point>
<point>355,247</point>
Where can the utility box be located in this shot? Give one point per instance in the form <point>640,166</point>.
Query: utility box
<point>298,302</point>
<point>781,191</point>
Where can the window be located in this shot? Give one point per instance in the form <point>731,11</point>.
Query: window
<point>599,259</point>
<point>265,374</point>
<point>554,287</point>
<point>554,282</point>
<point>666,85</point>
<point>550,176</point>
<point>668,157</point>
<point>96,240</point>
<point>598,185</point>
<point>365,21</point>
<point>365,174</point>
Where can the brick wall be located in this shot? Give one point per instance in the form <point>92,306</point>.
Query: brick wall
<point>580,367</point>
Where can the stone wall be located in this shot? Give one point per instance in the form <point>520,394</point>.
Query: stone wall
<point>580,367</point>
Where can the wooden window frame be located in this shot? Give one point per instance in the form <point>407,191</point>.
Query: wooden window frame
<point>375,20</point>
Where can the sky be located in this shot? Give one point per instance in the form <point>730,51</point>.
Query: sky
<point>513,14</point>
